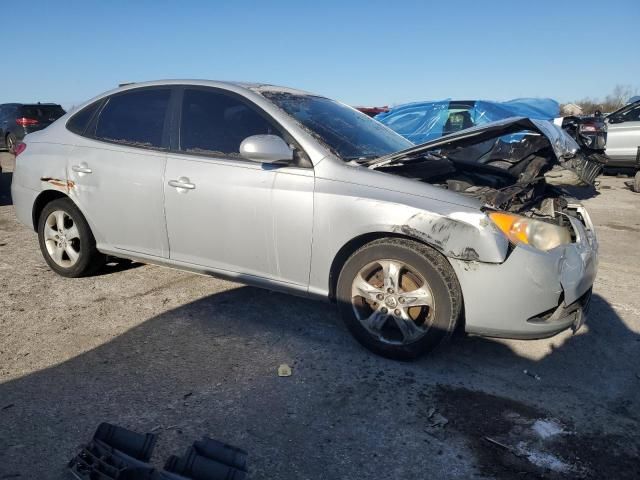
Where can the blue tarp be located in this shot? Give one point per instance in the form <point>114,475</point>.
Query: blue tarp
<point>424,121</point>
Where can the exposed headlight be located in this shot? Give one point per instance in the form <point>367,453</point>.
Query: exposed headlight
<point>538,234</point>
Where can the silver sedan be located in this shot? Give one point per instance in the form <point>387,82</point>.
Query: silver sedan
<point>291,191</point>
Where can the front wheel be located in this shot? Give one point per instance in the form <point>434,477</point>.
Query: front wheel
<point>399,298</point>
<point>66,241</point>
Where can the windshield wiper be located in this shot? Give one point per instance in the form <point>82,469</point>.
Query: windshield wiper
<point>361,158</point>
<point>388,159</point>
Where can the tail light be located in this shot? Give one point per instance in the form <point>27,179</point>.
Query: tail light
<point>25,122</point>
<point>19,148</point>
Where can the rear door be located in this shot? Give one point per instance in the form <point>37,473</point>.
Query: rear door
<point>231,214</point>
<point>623,136</point>
<point>117,168</point>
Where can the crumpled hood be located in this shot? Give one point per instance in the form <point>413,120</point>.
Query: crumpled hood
<point>524,136</point>
<point>563,145</point>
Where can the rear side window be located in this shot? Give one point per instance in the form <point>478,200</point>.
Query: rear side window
<point>134,118</point>
<point>79,122</point>
<point>8,111</point>
<point>215,123</point>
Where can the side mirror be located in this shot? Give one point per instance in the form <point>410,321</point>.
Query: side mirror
<point>266,149</point>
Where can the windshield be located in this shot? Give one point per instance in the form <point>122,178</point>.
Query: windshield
<point>350,134</point>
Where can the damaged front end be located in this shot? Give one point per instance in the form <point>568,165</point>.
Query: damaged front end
<point>501,163</point>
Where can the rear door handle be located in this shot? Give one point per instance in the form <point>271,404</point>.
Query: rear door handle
<point>182,182</point>
<point>82,168</point>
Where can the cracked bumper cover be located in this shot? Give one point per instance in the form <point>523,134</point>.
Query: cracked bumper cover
<point>533,294</point>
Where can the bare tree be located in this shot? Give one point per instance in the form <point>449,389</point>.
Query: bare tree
<point>616,99</point>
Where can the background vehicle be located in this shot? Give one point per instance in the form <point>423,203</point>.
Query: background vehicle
<point>623,142</point>
<point>623,147</point>
<point>424,121</point>
<point>291,191</point>
<point>18,120</point>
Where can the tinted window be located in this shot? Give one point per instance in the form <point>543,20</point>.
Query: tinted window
<point>79,122</point>
<point>215,123</point>
<point>134,118</point>
<point>7,111</point>
<point>632,115</point>
<point>42,112</point>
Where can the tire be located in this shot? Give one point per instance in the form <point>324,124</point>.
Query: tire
<point>431,314</point>
<point>636,182</point>
<point>10,142</point>
<point>66,241</point>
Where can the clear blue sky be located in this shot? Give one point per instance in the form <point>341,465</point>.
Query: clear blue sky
<point>360,52</point>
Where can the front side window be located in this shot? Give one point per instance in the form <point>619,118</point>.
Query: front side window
<point>632,115</point>
<point>215,123</point>
<point>134,118</point>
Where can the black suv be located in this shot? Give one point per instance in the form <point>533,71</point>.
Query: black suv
<point>17,119</point>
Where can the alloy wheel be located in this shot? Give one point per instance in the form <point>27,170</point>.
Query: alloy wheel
<point>62,238</point>
<point>392,301</point>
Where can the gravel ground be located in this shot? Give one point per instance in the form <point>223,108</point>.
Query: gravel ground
<point>183,355</point>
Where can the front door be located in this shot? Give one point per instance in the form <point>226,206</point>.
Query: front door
<point>229,214</point>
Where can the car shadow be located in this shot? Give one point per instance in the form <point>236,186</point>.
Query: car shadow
<point>5,188</point>
<point>209,367</point>
<point>583,192</point>
<point>116,265</point>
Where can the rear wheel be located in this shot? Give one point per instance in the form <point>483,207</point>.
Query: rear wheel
<point>636,182</point>
<point>399,298</point>
<point>10,142</point>
<point>66,241</point>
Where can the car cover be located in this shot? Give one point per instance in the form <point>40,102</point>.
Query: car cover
<point>421,122</point>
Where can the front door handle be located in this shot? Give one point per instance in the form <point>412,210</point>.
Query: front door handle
<point>82,168</point>
<point>182,182</point>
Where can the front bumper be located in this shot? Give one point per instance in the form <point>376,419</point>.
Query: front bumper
<point>533,294</point>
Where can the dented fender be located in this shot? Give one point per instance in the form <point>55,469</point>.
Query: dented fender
<point>461,235</point>
<point>343,211</point>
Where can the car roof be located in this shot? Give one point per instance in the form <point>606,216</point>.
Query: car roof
<point>251,86</point>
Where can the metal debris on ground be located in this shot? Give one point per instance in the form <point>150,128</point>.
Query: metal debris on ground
<point>438,420</point>
<point>531,374</point>
<point>284,370</point>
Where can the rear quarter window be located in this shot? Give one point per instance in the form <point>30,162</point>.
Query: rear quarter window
<point>79,122</point>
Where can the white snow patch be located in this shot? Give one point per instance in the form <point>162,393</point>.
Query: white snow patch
<point>547,460</point>
<point>547,428</point>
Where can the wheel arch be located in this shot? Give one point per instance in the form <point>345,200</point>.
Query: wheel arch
<point>354,244</point>
<point>44,198</point>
